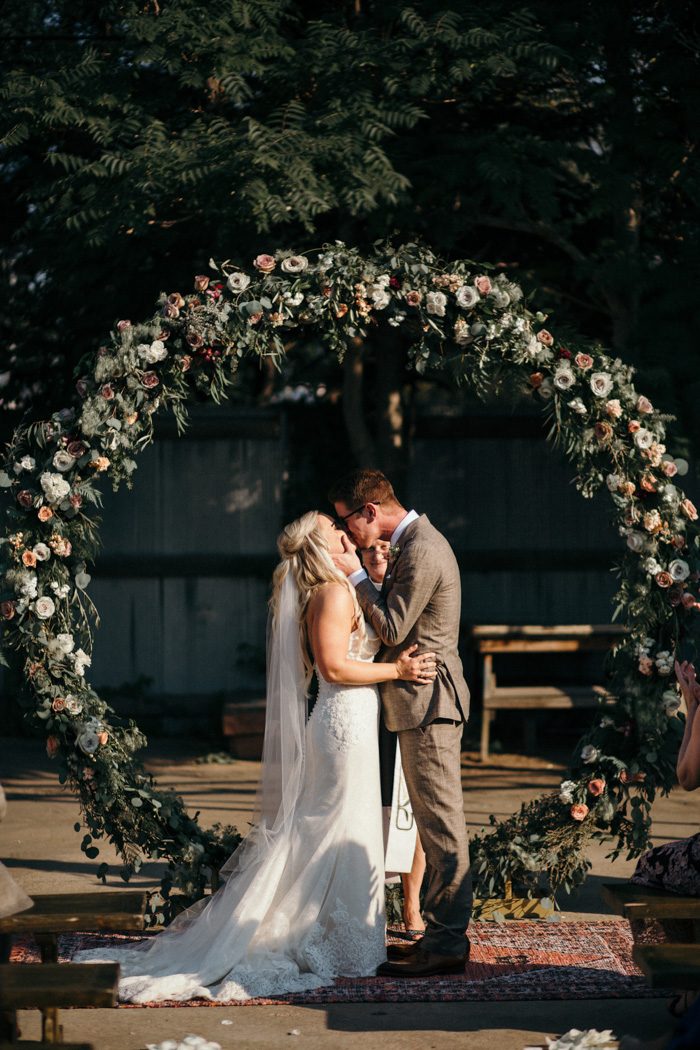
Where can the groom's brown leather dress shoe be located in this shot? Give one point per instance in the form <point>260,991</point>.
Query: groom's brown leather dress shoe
<point>422,963</point>
<point>401,951</point>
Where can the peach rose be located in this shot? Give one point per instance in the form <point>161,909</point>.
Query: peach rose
<point>687,507</point>
<point>603,431</point>
<point>631,778</point>
<point>584,361</point>
<point>482,283</point>
<point>579,811</point>
<point>58,704</point>
<point>669,468</point>
<point>596,787</point>
<point>201,282</point>
<point>414,298</point>
<point>7,610</point>
<point>614,408</point>
<point>29,559</point>
<point>341,309</point>
<point>648,483</point>
<point>545,337</point>
<point>100,463</point>
<point>103,737</point>
<point>131,418</point>
<point>664,579</point>
<point>644,405</point>
<point>44,513</point>
<point>176,300</point>
<point>53,746</point>
<point>60,546</point>
<point>626,488</point>
<point>536,379</point>
<point>633,426</point>
<point>264,263</point>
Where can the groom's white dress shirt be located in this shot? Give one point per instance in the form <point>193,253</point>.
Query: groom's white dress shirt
<point>359,575</point>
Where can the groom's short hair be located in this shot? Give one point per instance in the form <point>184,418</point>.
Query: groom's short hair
<point>362,486</point>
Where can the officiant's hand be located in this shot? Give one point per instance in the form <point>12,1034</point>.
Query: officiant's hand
<point>348,562</point>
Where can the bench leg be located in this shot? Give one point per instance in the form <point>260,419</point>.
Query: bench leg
<point>48,946</point>
<point>486,717</point>
<point>51,1028</point>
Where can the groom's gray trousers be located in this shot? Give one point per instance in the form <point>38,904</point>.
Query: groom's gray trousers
<point>430,756</point>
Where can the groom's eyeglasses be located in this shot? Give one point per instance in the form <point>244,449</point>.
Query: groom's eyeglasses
<point>344,517</point>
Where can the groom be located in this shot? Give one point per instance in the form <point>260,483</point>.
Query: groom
<point>419,604</point>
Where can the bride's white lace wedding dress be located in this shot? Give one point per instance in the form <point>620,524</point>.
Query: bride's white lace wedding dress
<point>309,906</point>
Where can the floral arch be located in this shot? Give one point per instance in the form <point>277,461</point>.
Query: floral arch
<point>461,317</point>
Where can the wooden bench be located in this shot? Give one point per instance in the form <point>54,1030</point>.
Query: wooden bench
<point>669,965</point>
<point>644,902</point>
<point>56,913</point>
<point>52,987</point>
<point>243,724</point>
<point>503,639</point>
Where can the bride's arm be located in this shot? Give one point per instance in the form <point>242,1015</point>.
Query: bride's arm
<point>330,618</point>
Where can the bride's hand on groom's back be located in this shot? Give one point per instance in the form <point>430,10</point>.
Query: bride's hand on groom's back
<point>348,562</point>
<point>412,667</point>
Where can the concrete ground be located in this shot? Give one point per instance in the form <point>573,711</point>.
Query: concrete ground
<point>40,847</point>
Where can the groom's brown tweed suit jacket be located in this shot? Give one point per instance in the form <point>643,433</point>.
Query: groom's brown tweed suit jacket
<point>420,603</point>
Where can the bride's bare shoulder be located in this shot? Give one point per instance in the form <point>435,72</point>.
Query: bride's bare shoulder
<point>329,599</point>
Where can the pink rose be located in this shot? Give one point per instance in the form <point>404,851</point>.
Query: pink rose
<point>264,263</point>
<point>631,778</point>
<point>25,498</point>
<point>545,337</point>
<point>7,610</point>
<point>669,468</point>
<point>648,483</point>
<point>579,811</point>
<point>107,391</point>
<point>103,737</point>
<point>413,298</point>
<point>53,746</point>
<point>123,325</point>
<point>201,282</point>
<point>170,311</point>
<point>644,405</point>
<point>58,704</point>
<point>176,300</point>
<point>614,408</point>
<point>584,361</point>
<point>596,787</point>
<point>664,579</point>
<point>633,426</point>
<point>687,507</point>
<point>482,284</point>
<point>149,380</point>
<point>76,500</point>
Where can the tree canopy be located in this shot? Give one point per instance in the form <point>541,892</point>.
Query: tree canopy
<point>558,141</point>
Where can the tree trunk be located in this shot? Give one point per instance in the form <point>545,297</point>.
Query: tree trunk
<point>359,437</point>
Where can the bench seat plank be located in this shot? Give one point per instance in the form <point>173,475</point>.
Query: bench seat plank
<point>36,987</point>
<point>669,965</point>
<point>87,912</point>
<point>536,696</point>
<point>642,902</point>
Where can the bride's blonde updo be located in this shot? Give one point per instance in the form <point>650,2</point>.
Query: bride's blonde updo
<point>305,555</point>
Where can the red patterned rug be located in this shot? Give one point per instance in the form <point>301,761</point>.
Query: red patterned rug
<point>509,961</point>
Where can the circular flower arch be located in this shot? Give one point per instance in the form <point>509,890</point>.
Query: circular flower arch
<point>463,319</point>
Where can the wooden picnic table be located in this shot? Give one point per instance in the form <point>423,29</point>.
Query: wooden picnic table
<point>504,639</point>
<point>51,987</point>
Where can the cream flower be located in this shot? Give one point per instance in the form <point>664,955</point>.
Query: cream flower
<point>152,352</point>
<point>563,378</point>
<point>41,552</point>
<point>238,282</point>
<point>643,438</point>
<point>55,487</point>
<point>435,303</point>
<point>679,570</point>
<point>62,460</point>
<point>295,264</point>
<point>44,607</point>
<point>601,384</point>
<point>467,297</point>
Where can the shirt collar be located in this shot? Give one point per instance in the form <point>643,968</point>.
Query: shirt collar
<point>402,525</point>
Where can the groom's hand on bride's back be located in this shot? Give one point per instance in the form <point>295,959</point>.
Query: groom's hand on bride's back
<point>348,562</point>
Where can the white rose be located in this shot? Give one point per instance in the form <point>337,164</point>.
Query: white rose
<point>467,297</point>
<point>643,438</point>
<point>652,566</point>
<point>73,705</point>
<point>153,352</point>
<point>44,607</point>
<point>41,552</point>
<point>578,407</point>
<point>238,282</point>
<point>294,300</point>
<point>589,753</point>
<point>81,660</point>
<point>613,482</point>
<point>61,590</point>
<point>379,296</point>
<point>61,645</point>
<point>435,303</point>
<point>635,541</point>
<point>679,569</point>
<point>26,585</point>
<point>63,460</point>
<point>25,463</point>
<point>55,487</point>
<point>564,378</point>
<point>566,789</point>
<point>601,384</point>
<point>88,741</point>
<point>295,264</point>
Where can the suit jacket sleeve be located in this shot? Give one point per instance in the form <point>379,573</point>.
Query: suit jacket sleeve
<point>394,613</point>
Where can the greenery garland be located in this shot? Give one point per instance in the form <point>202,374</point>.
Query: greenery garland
<point>463,319</point>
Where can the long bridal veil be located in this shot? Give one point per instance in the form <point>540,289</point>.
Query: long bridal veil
<point>207,942</point>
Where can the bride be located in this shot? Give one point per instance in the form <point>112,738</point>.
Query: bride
<point>303,896</point>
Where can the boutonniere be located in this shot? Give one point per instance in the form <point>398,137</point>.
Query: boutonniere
<point>393,552</point>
